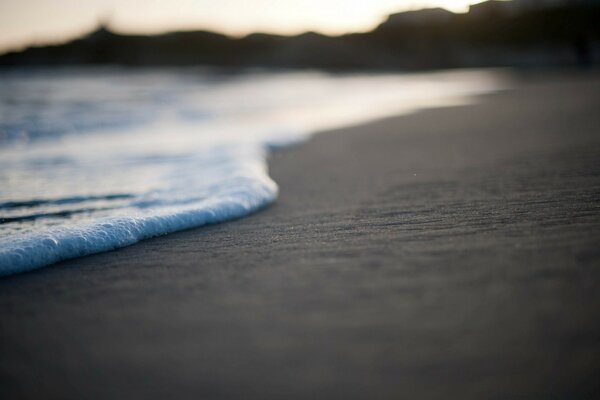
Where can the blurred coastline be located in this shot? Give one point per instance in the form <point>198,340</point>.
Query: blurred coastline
<point>517,33</point>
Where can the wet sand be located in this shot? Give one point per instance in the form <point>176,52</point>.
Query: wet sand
<point>452,253</point>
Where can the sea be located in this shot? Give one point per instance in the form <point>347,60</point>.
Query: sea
<point>95,159</point>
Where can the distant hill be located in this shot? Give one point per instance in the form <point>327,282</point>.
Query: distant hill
<point>491,34</point>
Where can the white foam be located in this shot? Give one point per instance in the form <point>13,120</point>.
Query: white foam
<point>36,250</point>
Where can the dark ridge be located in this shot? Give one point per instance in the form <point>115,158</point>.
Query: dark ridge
<point>57,214</point>
<point>67,200</point>
<point>493,33</point>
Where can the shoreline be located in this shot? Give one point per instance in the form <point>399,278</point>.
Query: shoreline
<point>30,240</point>
<point>446,252</point>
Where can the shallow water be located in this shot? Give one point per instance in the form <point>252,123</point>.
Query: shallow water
<point>96,159</point>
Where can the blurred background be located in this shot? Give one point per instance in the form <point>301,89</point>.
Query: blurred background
<point>331,34</point>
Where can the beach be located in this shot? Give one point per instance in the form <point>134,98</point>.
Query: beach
<point>449,253</point>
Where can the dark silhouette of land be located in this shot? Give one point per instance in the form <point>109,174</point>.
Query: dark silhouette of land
<point>491,34</point>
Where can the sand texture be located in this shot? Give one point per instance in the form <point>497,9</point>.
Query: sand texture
<point>452,253</point>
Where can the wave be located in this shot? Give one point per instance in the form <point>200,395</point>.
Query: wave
<point>198,155</point>
<point>63,243</point>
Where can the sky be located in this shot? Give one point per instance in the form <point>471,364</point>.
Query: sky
<point>24,22</point>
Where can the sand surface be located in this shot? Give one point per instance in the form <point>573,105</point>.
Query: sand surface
<point>452,253</point>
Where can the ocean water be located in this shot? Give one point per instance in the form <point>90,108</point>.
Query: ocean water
<point>95,159</point>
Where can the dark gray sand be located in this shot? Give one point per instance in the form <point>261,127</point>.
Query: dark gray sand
<point>453,253</point>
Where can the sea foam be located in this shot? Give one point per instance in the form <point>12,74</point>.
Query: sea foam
<point>94,160</point>
<point>24,253</point>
